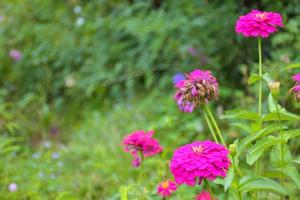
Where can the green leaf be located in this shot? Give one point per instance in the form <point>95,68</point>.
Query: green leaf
<point>296,65</point>
<point>253,78</point>
<point>272,104</point>
<point>123,192</point>
<point>267,77</point>
<point>244,126</point>
<point>271,128</point>
<point>256,150</point>
<point>240,114</point>
<point>65,196</point>
<point>229,178</point>
<point>289,134</point>
<point>297,160</point>
<point>275,155</point>
<point>284,115</point>
<point>261,183</point>
<point>293,173</point>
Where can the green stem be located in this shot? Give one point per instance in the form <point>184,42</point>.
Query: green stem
<point>206,107</point>
<point>259,100</point>
<point>260,74</point>
<point>141,168</point>
<point>281,147</point>
<point>210,127</point>
<point>209,188</point>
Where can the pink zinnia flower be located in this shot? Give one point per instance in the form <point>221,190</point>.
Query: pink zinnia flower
<point>141,142</point>
<point>14,54</point>
<point>258,23</point>
<point>166,188</point>
<point>296,78</point>
<point>204,195</point>
<point>200,159</point>
<point>199,87</point>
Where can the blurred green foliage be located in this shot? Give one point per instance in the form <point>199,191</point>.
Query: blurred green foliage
<point>86,65</point>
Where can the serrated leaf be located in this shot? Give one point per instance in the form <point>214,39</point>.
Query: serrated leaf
<point>261,183</point>
<point>253,78</point>
<point>240,114</point>
<point>256,150</point>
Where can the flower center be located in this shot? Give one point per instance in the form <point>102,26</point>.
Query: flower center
<point>197,149</point>
<point>165,185</point>
<point>261,15</point>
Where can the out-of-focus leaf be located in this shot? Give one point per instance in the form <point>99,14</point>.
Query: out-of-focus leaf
<point>229,178</point>
<point>240,114</point>
<point>253,78</point>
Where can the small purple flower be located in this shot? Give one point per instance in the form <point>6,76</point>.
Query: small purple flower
<point>15,54</point>
<point>55,155</point>
<point>12,187</point>
<point>54,131</point>
<point>192,51</point>
<point>178,77</point>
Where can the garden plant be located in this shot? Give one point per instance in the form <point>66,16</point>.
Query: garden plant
<point>149,100</point>
<point>234,167</point>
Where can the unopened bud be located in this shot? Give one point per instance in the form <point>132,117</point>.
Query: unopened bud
<point>232,148</point>
<point>274,88</point>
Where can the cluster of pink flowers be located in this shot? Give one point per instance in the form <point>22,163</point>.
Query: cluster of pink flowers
<point>166,188</point>
<point>199,160</point>
<point>143,143</point>
<point>258,23</point>
<point>199,87</point>
<point>191,163</point>
<point>296,89</point>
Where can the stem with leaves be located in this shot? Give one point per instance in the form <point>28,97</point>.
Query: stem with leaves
<point>281,146</point>
<point>259,100</point>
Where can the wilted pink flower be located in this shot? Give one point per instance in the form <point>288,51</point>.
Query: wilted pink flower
<point>258,23</point>
<point>166,188</point>
<point>296,78</point>
<point>296,89</point>
<point>199,87</point>
<point>14,54</point>
<point>200,159</point>
<point>141,142</point>
<point>204,195</point>
<point>12,187</point>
